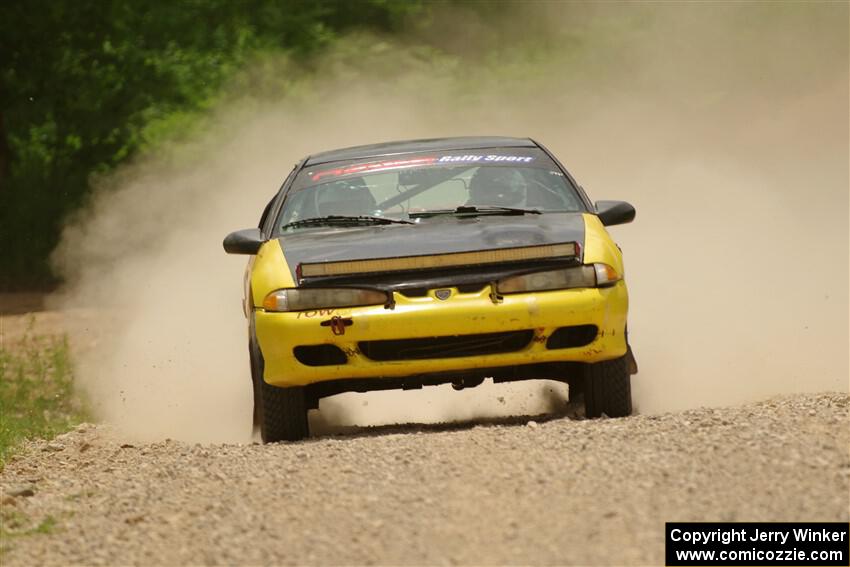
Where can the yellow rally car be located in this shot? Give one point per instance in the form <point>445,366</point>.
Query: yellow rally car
<point>426,262</point>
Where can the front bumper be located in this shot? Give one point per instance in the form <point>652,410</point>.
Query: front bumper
<point>540,313</point>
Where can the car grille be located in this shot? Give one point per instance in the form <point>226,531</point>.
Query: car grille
<point>423,291</point>
<point>320,355</point>
<point>446,347</point>
<point>571,337</point>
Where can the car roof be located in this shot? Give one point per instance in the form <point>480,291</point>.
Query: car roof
<point>414,146</point>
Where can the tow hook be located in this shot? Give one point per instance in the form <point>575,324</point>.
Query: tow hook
<point>494,294</point>
<point>468,382</point>
<point>337,324</point>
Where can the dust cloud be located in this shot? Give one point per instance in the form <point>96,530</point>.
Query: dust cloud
<point>725,125</point>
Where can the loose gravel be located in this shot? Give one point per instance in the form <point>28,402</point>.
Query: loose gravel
<point>557,491</point>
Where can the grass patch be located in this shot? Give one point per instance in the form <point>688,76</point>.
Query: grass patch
<point>37,397</point>
<point>47,526</point>
<point>15,524</point>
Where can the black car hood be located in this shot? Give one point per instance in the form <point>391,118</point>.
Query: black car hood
<point>430,236</point>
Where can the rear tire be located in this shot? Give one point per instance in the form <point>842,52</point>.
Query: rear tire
<point>280,413</point>
<point>608,388</point>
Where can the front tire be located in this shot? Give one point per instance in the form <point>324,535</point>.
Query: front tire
<point>607,388</point>
<point>280,413</point>
<point>284,414</point>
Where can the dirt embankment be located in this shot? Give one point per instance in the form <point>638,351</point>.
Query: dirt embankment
<point>555,492</point>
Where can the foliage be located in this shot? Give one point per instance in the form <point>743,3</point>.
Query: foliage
<point>36,391</point>
<point>82,81</point>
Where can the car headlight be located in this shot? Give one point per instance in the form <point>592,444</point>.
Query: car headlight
<point>606,275</point>
<point>594,275</point>
<point>322,298</point>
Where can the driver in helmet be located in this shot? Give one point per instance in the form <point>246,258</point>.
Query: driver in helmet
<point>349,197</point>
<point>496,186</point>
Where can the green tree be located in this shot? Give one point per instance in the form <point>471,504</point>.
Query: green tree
<point>80,80</point>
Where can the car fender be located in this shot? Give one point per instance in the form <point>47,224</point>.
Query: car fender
<point>270,272</point>
<point>598,245</point>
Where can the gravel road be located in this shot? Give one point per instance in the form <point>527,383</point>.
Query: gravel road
<point>560,491</point>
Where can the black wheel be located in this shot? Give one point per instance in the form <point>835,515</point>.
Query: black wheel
<point>280,413</point>
<point>608,388</point>
<point>284,414</point>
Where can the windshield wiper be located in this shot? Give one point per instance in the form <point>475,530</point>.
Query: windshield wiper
<point>469,210</point>
<point>343,220</point>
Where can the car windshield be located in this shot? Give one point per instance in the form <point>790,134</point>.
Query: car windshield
<point>491,181</point>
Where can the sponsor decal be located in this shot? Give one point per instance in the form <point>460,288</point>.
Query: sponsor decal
<point>373,167</point>
<point>415,162</point>
<point>485,159</point>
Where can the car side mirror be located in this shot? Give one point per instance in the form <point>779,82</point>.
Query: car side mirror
<point>614,212</point>
<point>246,241</point>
